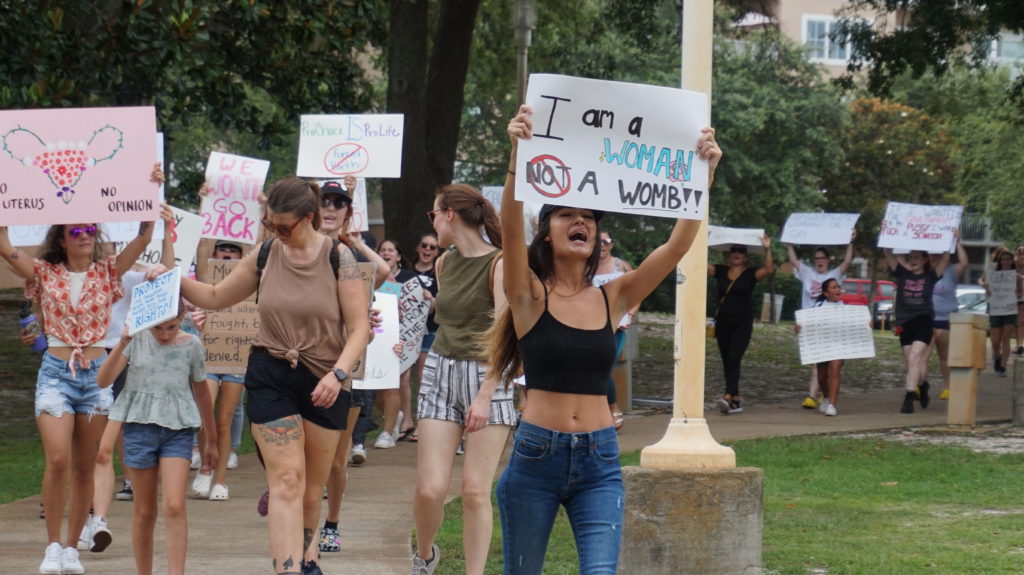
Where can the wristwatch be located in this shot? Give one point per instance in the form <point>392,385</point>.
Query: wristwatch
<point>340,374</point>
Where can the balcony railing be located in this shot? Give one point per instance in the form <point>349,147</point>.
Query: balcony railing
<point>977,229</point>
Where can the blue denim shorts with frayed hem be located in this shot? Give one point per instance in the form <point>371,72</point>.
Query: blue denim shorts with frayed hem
<point>145,444</point>
<point>58,392</point>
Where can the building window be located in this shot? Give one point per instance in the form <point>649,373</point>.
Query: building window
<point>821,46</point>
<point>1008,48</point>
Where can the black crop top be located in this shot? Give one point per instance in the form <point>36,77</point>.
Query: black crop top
<point>566,359</point>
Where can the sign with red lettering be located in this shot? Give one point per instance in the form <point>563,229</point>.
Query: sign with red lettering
<point>918,227</point>
<point>231,209</point>
<point>338,145</point>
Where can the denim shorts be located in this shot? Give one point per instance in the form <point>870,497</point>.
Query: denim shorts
<point>579,471</point>
<point>145,444</point>
<point>449,387</point>
<point>57,392</point>
<point>225,377</point>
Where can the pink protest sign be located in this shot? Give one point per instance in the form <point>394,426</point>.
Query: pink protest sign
<point>231,209</point>
<point>74,165</point>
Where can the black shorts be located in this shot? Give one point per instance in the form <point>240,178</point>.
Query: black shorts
<point>277,391</point>
<point>919,328</point>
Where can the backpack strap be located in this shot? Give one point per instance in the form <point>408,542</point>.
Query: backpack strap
<point>335,258</point>
<point>261,262</point>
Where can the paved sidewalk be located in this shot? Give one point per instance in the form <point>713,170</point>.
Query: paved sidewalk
<point>229,537</point>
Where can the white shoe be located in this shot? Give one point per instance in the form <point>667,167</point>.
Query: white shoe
<point>201,485</point>
<point>70,565</point>
<point>384,441</point>
<point>358,455</point>
<point>831,410</point>
<point>197,461</point>
<point>219,492</point>
<point>233,461</point>
<point>52,564</point>
<point>85,539</point>
<point>101,535</point>
<point>823,406</point>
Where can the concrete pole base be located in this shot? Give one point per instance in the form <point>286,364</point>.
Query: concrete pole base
<point>687,444</point>
<point>695,521</point>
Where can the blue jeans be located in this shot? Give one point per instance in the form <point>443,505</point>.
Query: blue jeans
<point>551,468</point>
<point>58,392</point>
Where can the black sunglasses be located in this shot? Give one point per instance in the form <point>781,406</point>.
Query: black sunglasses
<point>339,202</point>
<point>737,250</point>
<point>87,230</point>
<point>282,231</point>
<point>427,246</point>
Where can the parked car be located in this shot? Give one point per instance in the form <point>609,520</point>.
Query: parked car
<point>856,291</point>
<point>967,295</point>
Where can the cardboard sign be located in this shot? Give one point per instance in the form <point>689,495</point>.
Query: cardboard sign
<point>231,210</point>
<point>360,221</point>
<point>819,229</point>
<point>154,302</point>
<point>383,368</point>
<point>1002,287</point>
<point>368,275</point>
<point>835,332</point>
<point>615,147</point>
<point>334,146</point>
<point>917,227</point>
<point>72,165</point>
<point>413,310</point>
<point>722,238</point>
<point>230,332</point>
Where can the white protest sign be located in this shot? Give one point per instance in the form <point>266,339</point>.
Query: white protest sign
<point>615,147</point>
<point>360,221</point>
<point>231,208</point>
<point>493,194</point>
<point>154,302</point>
<point>382,365</point>
<point>917,227</point>
<point>723,238</point>
<point>367,145</point>
<point>1002,286</point>
<point>819,229</point>
<point>835,332</point>
<point>412,312</point>
<point>185,237</point>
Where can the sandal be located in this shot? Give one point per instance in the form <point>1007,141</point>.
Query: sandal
<point>405,434</point>
<point>413,438</point>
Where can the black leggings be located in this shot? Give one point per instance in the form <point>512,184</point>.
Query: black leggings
<point>733,335</point>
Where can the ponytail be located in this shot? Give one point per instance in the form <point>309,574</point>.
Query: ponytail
<point>473,209</point>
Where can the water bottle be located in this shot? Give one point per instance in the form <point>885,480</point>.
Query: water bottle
<point>28,321</point>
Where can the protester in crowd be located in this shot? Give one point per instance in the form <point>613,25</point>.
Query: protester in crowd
<point>944,302</point>
<point>811,279</point>
<point>72,274</point>
<point>1001,326</point>
<point>1019,261</point>
<point>297,376</point>
<point>734,316</point>
<point>610,267</point>
<point>827,372</point>
<point>914,316</point>
<point>456,396</point>
<point>394,403</point>
<point>426,257</point>
<point>164,400</point>
<point>559,330</point>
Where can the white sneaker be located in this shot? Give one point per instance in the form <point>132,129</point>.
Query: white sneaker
<point>51,564</point>
<point>219,492</point>
<point>85,539</point>
<point>101,535</point>
<point>831,410</point>
<point>197,461</point>
<point>201,485</point>
<point>233,461</point>
<point>823,406</point>
<point>384,441</point>
<point>70,565</point>
<point>358,455</point>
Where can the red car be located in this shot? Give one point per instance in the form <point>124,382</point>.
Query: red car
<point>856,291</point>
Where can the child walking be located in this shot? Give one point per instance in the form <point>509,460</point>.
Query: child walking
<point>165,398</point>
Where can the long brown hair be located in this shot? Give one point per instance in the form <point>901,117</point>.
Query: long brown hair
<point>294,195</point>
<point>473,208</point>
<point>55,253</point>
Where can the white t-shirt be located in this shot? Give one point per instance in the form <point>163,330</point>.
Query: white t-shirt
<point>812,281</point>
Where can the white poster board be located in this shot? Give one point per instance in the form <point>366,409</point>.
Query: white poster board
<point>154,302</point>
<point>819,229</point>
<point>1002,285</point>
<point>615,147</point>
<point>231,208</point>
<point>835,332</point>
<point>722,238</point>
<point>185,236</point>
<point>382,365</point>
<point>338,145</point>
<point>412,312</point>
<point>918,227</point>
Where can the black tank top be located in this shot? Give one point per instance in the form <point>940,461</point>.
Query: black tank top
<point>566,359</point>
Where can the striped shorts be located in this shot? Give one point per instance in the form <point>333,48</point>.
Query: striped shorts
<point>449,386</point>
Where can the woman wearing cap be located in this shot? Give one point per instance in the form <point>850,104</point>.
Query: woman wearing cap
<point>297,375</point>
<point>734,317</point>
<point>610,267</point>
<point>559,329</point>
<point>456,396</point>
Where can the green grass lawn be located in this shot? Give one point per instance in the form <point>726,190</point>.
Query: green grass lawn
<point>852,506</point>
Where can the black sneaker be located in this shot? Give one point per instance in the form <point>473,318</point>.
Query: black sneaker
<point>1020,350</point>
<point>923,388</point>
<point>311,568</point>
<point>125,493</point>
<point>735,407</point>
<point>908,402</point>
<point>998,366</point>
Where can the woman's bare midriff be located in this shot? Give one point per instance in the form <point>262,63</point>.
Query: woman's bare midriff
<point>64,353</point>
<point>567,412</point>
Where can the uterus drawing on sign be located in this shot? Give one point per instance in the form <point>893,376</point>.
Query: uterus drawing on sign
<point>63,162</point>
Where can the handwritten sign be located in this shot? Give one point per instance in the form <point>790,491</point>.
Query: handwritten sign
<point>230,332</point>
<point>1002,286</point>
<point>154,302</point>
<point>382,365</point>
<point>72,165</point>
<point>819,229</point>
<point>231,210</point>
<point>360,221</point>
<point>367,145</point>
<point>412,313</point>
<point>917,227</point>
<point>615,147</point>
<point>185,238</point>
<point>723,238</point>
<point>835,332</point>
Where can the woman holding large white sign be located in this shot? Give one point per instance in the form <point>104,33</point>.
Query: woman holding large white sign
<point>559,329</point>
<point>1003,289</point>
